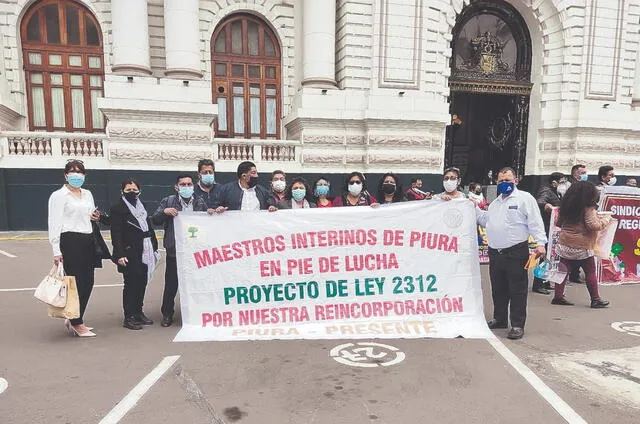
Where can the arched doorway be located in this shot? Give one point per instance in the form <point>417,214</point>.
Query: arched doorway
<point>490,85</point>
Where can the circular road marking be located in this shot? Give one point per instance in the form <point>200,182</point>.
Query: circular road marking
<point>367,354</point>
<point>629,327</point>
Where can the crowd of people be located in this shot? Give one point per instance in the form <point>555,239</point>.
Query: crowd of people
<point>510,219</point>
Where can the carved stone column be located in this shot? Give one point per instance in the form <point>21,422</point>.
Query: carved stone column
<point>319,35</point>
<point>130,37</point>
<point>182,38</point>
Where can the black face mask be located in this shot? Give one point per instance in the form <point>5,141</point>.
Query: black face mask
<point>131,196</point>
<point>478,191</point>
<point>388,188</point>
<point>253,181</point>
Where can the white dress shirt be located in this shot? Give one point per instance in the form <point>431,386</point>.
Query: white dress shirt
<point>187,207</point>
<point>250,200</point>
<point>510,220</point>
<point>67,213</point>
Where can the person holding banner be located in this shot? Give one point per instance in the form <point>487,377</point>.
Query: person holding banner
<point>322,186</point>
<point>415,192</point>
<point>548,198</point>
<point>244,194</point>
<point>278,185</point>
<point>580,224</point>
<point>476,196</point>
<point>206,187</point>
<point>390,189</point>
<point>355,192</point>
<point>606,177</point>
<point>510,220</point>
<point>297,196</point>
<point>135,250</point>
<point>170,206</point>
<point>451,184</point>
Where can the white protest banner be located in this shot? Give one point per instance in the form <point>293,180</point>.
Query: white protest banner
<point>400,271</point>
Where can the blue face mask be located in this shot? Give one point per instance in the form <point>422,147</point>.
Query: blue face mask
<point>322,190</point>
<point>298,194</point>
<point>207,179</point>
<point>186,192</point>
<point>75,179</point>
<point>584,177</point>
<point>506,187</point>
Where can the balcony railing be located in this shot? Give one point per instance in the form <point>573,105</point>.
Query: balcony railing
<point>57,145</point>
<point>54,144</point>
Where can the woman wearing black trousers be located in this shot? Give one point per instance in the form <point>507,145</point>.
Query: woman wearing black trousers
<point>75,237</point>
<point>135,251</point>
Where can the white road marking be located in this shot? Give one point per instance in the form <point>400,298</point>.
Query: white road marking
<point>131,399</point>
<point>7,254</point>
<point>3,385</point>
<point>629,327</point>
<point>33,288</point>
<point>556,402</point>
<point>612,374</point>
<point>367,354</point>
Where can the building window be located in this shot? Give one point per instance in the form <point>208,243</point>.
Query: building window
<point>245,57</point>
<point>64,73</point>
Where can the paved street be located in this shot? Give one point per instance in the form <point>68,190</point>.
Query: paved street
<point>588,369</point>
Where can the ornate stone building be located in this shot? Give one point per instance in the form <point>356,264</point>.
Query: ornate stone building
<point>312,86</point>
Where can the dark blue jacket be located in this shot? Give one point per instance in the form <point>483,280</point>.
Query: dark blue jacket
<point>230,196</point>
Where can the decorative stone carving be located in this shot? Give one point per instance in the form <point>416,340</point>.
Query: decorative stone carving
<point>399,159</point>
<point>355,158</point>
<point>356,139</point>
<point>398,140</point>
<point>325,158</point>
<point>150,155</point>
<point>323,139</point>
<point>159,134</point>
<point>81,147</point>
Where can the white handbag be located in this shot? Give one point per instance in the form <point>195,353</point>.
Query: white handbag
<point>52,290</point>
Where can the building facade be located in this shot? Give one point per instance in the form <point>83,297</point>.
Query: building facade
<point>313,87</point>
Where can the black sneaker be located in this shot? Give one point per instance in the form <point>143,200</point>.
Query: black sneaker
<point>599,303</point>
<point>142,319</point>
<point>561,301</point>
<point>166,321</point>
<point>131,323</point>
<point>515,333</point>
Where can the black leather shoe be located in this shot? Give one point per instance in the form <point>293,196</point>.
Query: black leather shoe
<point>166,321</point>
<point>540,290</point>
<point>142,319</point>
<point>561,301</point>
<point>515,333</point>
<point>547,285</point>
<point>493,324</point>
<point>131,323</point>
<point>599,303</point>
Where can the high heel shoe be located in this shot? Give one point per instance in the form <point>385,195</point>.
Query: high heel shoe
<point>87,333</point>
<point>67,325</point>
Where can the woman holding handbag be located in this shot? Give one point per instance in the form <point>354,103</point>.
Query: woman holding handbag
<point>580,224</point>
<point>135,251</point>
<point>72,213</point>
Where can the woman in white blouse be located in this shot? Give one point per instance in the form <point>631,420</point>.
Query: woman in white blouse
<point>71,210</point>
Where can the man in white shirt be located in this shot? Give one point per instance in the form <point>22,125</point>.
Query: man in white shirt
<point>510,220</point>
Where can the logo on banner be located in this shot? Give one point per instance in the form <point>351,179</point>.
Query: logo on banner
<point>367,355</point>
<point>192,231</point>
<point>453,218</point>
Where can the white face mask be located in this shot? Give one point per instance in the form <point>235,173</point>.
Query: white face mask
<point>450,185</point>
<point>562,188</point>
<point>355,189</point>
<point>613,181</point>
<point>279,185</point>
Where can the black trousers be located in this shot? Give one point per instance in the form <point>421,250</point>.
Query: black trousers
<point>170,287</point>
<point>509,283</point>
<point>135,285</point>
<point>79,259</point>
